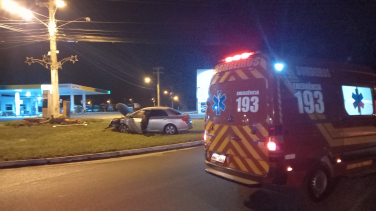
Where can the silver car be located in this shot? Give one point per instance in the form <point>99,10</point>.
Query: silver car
<point>155,119</point>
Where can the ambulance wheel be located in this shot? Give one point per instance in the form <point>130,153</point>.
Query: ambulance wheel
<point>318,183</point>
<point>170,129</point>
<point>123,128</point>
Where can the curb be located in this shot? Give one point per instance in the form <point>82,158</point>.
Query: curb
<point>46,161</point>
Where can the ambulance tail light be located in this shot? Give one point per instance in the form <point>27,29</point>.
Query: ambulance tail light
<point>272,146</point>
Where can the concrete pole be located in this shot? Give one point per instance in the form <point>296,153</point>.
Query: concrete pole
<point>158,72</point>
<point>84,102</point>
<point>55,110</point>
<point>72,103</point>
<point>18,103</point>
<point>159,102</point>
<point>172,97</point>
<point>36,106</point>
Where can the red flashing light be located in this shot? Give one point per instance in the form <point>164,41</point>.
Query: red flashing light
<point>238,57</point>
<point>272,146</point>
<point>229,59</point>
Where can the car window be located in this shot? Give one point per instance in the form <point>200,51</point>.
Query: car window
<point>173,111</point>
<point>138,114</point>
<point>147,113</point>
<point>158,113</point>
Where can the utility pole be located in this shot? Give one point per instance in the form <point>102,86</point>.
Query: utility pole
<point>55,111</point>
<point>158,72</point>
<point>172,98</point>
<point>52,60</point>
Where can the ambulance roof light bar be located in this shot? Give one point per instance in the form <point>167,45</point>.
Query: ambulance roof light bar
<point>238,57</point>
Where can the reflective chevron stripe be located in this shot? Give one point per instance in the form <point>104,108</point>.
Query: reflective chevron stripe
<point>245,153</point>
<point>215,79</point>
<point>257,74</point>
<point>241,74</point>
<point>224,77</point>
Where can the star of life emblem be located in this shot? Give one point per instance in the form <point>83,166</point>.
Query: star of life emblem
<point>218,103</point>
<point>358,97</point>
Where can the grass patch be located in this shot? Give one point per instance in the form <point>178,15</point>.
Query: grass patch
<point>14,123</point>
<point>45,141</point>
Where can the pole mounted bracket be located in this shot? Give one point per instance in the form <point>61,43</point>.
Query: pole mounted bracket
<point>47,62</point>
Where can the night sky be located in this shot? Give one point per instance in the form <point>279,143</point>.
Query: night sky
<point>126,39</point>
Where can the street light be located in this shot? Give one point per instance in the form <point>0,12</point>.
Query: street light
<point>108,101</point>
<point>60,3</point>
<point>147,80</point>
<point>176,98</point>
<point>89,102</point>
<point>165,92</point>
<point>13,7</point>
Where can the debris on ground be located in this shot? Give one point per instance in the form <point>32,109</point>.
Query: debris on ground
<point>61,120</point>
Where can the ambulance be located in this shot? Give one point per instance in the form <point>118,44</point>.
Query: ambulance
<point>289,121</point>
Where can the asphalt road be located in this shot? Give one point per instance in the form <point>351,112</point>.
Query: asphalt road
<point>173,180</point>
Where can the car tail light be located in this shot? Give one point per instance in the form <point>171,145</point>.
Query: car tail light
<point>185,119</point>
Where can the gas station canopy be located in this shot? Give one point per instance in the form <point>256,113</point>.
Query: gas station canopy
<point>37,89</point>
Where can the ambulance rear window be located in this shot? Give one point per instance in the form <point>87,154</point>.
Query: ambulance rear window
<point>358,100</point>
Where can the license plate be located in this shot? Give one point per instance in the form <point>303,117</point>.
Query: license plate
<point>218,158</point>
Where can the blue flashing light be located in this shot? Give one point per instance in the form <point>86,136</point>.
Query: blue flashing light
<point>108,92</point>
<point>279,66</point>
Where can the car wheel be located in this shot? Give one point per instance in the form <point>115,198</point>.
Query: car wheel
<point>123,128</point>
<point>170,129</point>
<point>318,183</point>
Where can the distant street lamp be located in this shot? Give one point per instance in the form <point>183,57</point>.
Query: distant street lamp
<point>89,102</point>
<point>147,80</point>
<point>165,92</point>
<point>108,101</point>
<point>176,98</point>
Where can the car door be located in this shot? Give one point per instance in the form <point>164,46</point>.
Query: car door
<point>134,123</point>
<point>158,119</point>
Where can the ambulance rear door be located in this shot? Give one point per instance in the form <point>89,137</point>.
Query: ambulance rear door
<point>237,114</point>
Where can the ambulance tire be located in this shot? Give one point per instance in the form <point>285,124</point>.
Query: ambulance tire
<point>318,183</point>
<point>123,128</point>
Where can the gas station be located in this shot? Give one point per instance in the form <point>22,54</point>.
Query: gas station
<point>20,100</point>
